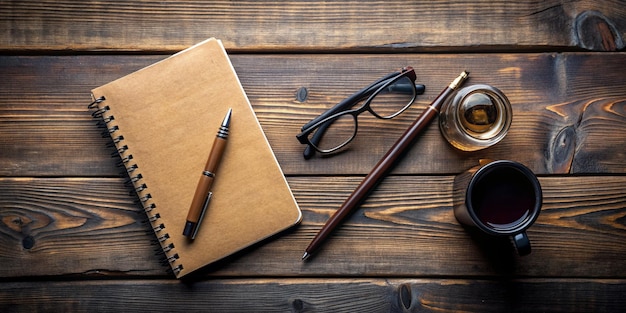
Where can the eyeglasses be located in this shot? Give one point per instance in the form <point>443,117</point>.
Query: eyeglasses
<point>385,99</point>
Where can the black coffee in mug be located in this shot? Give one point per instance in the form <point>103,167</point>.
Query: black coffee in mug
<point>500,198</point>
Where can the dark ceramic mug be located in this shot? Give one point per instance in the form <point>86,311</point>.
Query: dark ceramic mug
<point>501,198</point>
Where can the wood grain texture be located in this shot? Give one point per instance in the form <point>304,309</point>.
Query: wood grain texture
<point>90,227</point>
<point>318,295</point>
<point>312,25</point>
<point>72,225</point>
<point>567,108</point>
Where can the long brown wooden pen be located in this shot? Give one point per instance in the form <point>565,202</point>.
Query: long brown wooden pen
<point>383,166</point>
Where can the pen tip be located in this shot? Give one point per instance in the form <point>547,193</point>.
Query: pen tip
<point>226,122</point>
<point>305,256</point>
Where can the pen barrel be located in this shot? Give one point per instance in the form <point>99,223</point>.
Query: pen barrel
<point>197,204</point>
<point>219,145</point>
<point>206,180</point>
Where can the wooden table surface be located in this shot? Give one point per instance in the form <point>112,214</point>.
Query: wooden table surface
<point>72,238</point>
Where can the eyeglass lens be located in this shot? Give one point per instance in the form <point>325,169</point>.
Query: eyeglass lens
<point>388,103</point>
<point>394,99</point>
<point>336,133</point>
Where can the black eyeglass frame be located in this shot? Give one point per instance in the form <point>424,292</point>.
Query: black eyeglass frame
<point>323,121</point>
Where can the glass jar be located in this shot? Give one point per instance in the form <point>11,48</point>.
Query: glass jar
<point>475,117</point>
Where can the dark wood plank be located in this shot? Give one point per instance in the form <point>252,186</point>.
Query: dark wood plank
<point>91,227</point>
<point>317,295</point>
<point>72,238</point>
<point>73,226</point>
<point>312,25</point>
<point>568,110</point>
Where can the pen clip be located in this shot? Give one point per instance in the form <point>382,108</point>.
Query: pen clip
<point>204,208</point>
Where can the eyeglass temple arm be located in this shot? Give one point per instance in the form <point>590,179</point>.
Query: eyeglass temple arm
<point>419,88</point>
<point>350,101</point>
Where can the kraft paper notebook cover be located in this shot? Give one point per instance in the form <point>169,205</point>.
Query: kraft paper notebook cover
<point>163,120</point>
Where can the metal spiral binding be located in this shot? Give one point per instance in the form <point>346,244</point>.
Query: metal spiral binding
<point>113,129</point>
<point>95,103</point>
<point>154,218</point>
<point>149,207</point>
<point>135,179</point>
<point>141,188</point>
<point>163,237</point>
<point>158,228</point>
<point>132,168</point>
<point>168,248</point>
<point>120,150</point>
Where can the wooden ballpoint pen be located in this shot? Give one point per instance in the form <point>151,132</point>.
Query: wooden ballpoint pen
<point>203,192</point>
<point>383,166</point>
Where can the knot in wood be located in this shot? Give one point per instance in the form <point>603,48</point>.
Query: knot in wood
<point>302,94</point>
<point>562,150</point>
<point>406,297</point>
<point>28,242</point>
<point>594,31</point>
<point>298,305</point>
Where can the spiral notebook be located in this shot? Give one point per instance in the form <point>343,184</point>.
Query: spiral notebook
<point>163,120</point>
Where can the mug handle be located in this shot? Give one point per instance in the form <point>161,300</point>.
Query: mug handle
<point>522,243</point>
